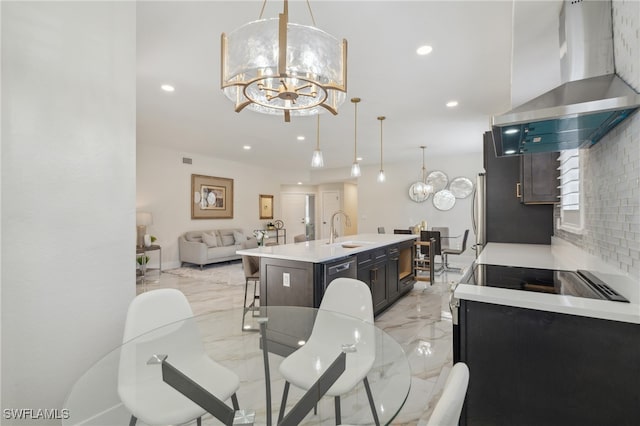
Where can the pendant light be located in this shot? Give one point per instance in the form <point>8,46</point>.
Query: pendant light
<point>381,177</point>
<point>355,167</point>
<point>426,188</point>
<point>420,190</point>
<point>316,160</point>
<point>273,66</point>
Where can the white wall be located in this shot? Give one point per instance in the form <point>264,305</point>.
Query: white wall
<point>388,204</point>
<point>68,189</point>
<point>164,189</point>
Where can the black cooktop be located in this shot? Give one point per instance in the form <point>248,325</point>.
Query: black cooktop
<point>579,283</point>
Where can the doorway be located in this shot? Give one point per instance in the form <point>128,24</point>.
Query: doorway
<point>299,215</point>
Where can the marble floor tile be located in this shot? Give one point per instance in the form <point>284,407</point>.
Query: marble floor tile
<point>420,321</point>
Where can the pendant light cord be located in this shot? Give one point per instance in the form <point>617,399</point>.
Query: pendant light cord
<point>318,135</point>
<point>381,120</point>
<point>355,133</point>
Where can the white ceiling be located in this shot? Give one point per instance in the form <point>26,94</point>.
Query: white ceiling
<point>179,43</point>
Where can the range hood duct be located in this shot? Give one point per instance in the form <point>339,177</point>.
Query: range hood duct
<point>592,100</point>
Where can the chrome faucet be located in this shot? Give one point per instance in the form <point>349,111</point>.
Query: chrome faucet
<point>332,229</point>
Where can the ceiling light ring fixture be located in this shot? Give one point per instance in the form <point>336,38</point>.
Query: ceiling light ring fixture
<point>274,66</point>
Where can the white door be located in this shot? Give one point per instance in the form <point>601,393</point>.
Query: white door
<point>330,204</point>
<point>293,214</point>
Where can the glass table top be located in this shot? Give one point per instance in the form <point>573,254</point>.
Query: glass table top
<point>94,398</point>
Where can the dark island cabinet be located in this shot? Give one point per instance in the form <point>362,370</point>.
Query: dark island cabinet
<point>372,269</point>
<point>386,270</point>
<point>531,367</point>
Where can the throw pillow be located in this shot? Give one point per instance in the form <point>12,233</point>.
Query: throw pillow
<point>239,237</point>
<point>209,240</point>
<point>228,240</point>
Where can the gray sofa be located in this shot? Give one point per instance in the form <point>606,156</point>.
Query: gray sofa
<point>211,246</point>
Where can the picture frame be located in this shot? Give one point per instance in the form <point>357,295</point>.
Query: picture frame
<point>265,206</point>
<point>211,197</point>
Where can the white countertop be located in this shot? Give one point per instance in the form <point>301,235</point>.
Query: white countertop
<point>559,255</point>
<point>318,251</point>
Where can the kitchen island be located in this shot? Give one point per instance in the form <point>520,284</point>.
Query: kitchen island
<point>541,358</point>
<point>297,274</point>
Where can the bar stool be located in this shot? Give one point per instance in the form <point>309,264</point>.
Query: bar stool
<point>251,267</point>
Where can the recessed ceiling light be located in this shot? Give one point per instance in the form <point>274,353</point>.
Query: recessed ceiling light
<point>452,104</point>
<point>511,131</point>
<point>359,159</point>
<point>246,147</point>
<point>168,88</point>
<point>299,183</point>
<point>300,138</point>
<point>424,50</point>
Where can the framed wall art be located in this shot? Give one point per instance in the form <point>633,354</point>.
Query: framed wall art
<point>266,206</point>
<point>212,197</point>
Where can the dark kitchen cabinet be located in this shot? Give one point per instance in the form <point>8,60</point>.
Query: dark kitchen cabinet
<point>531,367</point>
<point>372,269</point>
<point>539,178</point>
<point>393,289</point>
<point>507,219</point>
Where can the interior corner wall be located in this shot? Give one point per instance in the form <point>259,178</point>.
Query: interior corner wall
<point>68,193</point>
<point>164,189</point>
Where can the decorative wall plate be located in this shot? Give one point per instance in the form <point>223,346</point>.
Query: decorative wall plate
<point>461,187</point>
<point>444,200</point>
<point>438,179</point>
<point>278,224</point>
<point>415,194</point>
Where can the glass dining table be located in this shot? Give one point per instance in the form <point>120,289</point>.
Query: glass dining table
<point>255,357</point>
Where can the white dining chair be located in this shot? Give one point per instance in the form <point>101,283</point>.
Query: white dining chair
<point>449,406</point>
<point>161,322</point>
<point>344,320</point>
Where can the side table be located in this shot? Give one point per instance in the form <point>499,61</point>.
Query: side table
<point>142,273</point>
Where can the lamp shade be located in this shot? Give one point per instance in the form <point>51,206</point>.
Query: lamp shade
<point>301,73</point>
<point>143,219</point>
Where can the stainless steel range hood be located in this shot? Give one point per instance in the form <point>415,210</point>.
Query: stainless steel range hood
<point>591,102</point>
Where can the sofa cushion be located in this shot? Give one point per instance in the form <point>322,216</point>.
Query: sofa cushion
<point>228,240</point>
<point>210,240</point>
<point>195,236</point>
<point>216,252</point>
<point>239,237</point>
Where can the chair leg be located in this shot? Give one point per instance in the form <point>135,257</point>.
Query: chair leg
<point>371,403</point>
<point>234,401</point>
<point>133,420</point>
<point>283,404</point>
<point>336,401</point>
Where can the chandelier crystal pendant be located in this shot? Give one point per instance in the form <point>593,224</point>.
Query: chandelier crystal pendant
<point>355,167</point>
<point>381,176</point>
<point>316,160</point>
<point>273,66</point>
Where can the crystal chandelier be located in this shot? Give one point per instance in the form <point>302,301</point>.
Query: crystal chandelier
<point>355,167</point>
<point>273,66</point>
<point>381,176</point>
<point>316,160</point>
<point>421,190</point>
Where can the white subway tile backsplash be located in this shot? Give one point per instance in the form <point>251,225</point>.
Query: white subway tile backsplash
<point>611,174</point>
